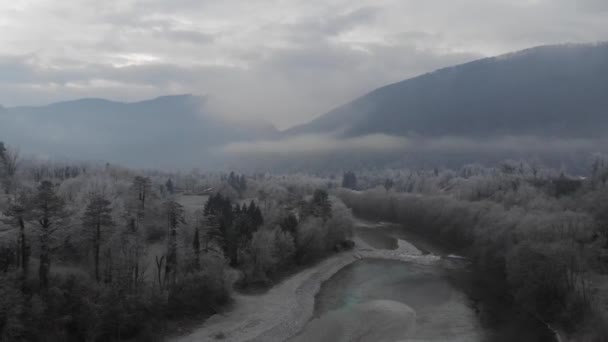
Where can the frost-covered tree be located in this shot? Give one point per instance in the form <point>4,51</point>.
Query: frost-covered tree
<point>175,218</point>
<point>16,215</point>
<point>9,162</point>
<point>97,215</point>
<point>48,211</point>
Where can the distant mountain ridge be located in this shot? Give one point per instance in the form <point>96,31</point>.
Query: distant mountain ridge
<point>169,130</point>
<point>559,90</point>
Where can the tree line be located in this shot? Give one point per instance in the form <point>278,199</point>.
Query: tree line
<point>541,233</point>
<point>103,253</point>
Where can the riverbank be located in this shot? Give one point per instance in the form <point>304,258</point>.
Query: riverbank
<point>275,315</point>
<point>282,312</point>
<point>286,308</point>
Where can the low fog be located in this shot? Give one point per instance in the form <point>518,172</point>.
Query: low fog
<point>319,170</point>
<point>304,145</point>
<point>328,152</point>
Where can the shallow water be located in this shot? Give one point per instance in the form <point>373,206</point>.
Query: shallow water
<point>439,295</point>
<point>443,313</point>
<point>386,236</point>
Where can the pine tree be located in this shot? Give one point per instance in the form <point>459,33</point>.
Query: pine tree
<point>170,187</point>
<point>255,215</point>
<point>16,214</point>
<point>9,161</point>
<point>2,159</point>
<point>98,215</point>
<point>196,247</point>
<point>388,184</point>
<point>243,183</point>
<point>175,217</point>
<point>48,211</point>
<point>349,180</point>
<point>320,206</point>
<point>289,224</point>
<point>142,188</point>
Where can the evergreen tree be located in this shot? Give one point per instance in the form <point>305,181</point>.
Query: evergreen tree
<point>238,183</point>
<point>175,218</point>
<point>97,215</point>
<point>196,247</point>
<point>49,212</point>
<point>16,216</point>
<point>2,159</point>
<point>255,214</point>
<point>9,161</point>
<point>349,180</point>
<point>388,184</point>
<point>243,183</point>
<point>236,223</point>
<point>141,188</point>
<point>212,234</point>
<point>289,224</point>
<point>320,206</point>
<point>170,187</point>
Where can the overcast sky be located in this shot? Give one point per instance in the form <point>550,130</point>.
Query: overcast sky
<point>285,61</point>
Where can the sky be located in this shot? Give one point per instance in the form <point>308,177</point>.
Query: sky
<point>283,61</point>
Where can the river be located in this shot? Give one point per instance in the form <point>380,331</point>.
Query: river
<point>388,300</point>
<point>393,286</point>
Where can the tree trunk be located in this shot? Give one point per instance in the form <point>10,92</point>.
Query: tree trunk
<point>108,272</point>
<point>159,270</point>
<point>136,274</point>
<point>97,243</point>
<point>24,249</point>
<point>45,259</point>
<point>171,264</point>
<point>197,249</point>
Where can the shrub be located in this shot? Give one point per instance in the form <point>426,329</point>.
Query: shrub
<point>197,293</point>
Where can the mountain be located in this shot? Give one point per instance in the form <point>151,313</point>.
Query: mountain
<point>549,91</point>
<point>168,131</point>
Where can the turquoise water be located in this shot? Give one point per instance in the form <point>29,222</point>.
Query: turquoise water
<point>443,313</point>
<point>385,300</point>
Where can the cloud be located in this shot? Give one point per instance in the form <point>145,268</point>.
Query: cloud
<point>284,61</point>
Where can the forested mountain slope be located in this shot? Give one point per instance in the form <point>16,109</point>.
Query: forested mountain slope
<point>544,91</point>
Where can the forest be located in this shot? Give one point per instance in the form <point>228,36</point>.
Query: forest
<point>98,252</point>
<point>536,235</point>
<point>93,252</point>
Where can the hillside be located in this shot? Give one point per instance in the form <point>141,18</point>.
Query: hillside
<point>552,91</point>
<point>166,131</point>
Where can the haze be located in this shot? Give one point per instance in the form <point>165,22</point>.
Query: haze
<point>303,171</point>
<point>282,61</point>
